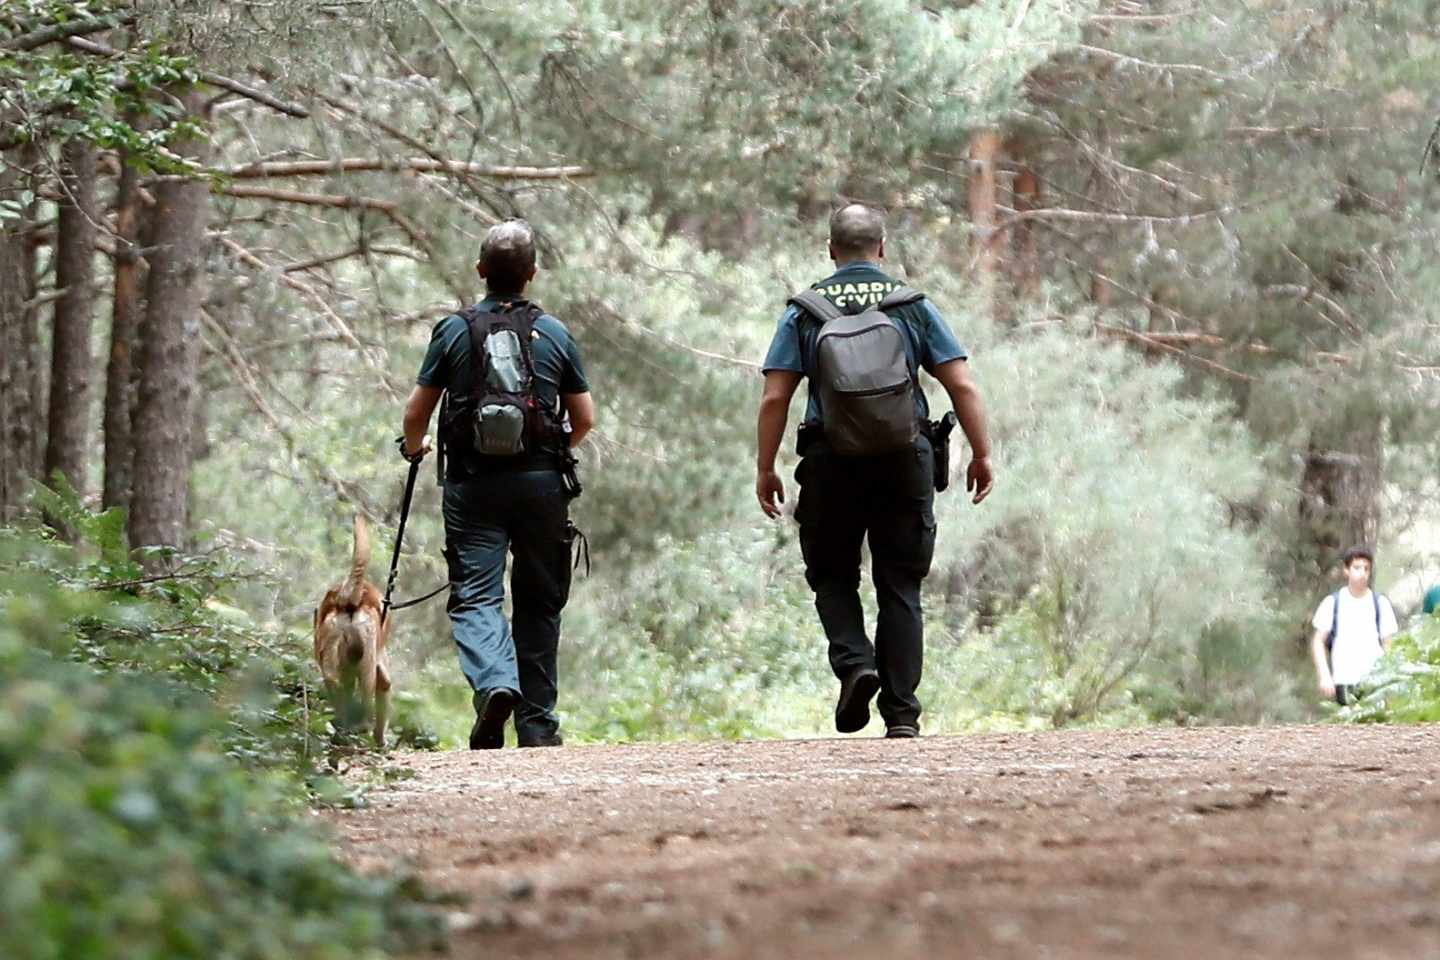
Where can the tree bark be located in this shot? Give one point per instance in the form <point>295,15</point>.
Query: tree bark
<point>1340,494</point>
<point>18,348</point>
<point>124,333</point>
<point>983,192</point>
<point>71,366</point>
<point>169,356</point>
<point>1026,274</point>
<point>14,371</point>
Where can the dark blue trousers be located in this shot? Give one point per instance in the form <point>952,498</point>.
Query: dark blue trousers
<point>890,500</point>
<point>524,515</point>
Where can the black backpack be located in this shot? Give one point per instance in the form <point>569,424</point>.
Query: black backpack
<point>867,390</point>
<point>503,417</point>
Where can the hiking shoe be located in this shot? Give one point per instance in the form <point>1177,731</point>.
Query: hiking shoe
<point>852,710</point>
<point>902,731</point>
<point>492,709</point>
<point>551,740</point>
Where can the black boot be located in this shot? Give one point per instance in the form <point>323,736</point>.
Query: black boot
<point>492,709</point>
<point>852,710</point>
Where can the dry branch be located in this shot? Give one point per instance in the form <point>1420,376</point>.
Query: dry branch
<point>234,358</point>
<point>213,79</point>
<point>66,31</point>
<point>1158,342</point>
<point>307,168</point>
<point>344,202</point>
<point>336,321</point>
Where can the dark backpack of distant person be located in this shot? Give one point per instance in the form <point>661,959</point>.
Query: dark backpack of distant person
<point>867,389</point>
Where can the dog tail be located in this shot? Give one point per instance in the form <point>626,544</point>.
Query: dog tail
<point>359,559</point>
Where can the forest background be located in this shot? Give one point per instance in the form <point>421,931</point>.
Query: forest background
<point>1188,246</point>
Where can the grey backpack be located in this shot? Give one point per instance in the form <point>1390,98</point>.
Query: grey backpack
<point>867,392</point>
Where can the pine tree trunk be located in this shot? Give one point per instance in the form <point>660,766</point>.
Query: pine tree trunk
<point>124,332</point>
<point>18,407</point>
<point>1026,272</point>
<point>71,367</point>
<point>169,356</point>
<point>14,372</point>
<point>983,193</point>
<point>35,354</point>
<point>1340,495</point>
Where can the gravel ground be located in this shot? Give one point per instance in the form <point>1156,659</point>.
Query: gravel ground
<point>1241,842</point>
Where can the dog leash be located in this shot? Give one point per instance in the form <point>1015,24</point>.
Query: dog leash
<point>387,606</point>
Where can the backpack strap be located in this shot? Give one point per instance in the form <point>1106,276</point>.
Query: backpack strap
<point>817,305</point>
<point>1375,595</point>
<point>899,297</point>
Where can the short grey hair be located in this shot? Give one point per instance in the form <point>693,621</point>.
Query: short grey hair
<point>857,228</point>
<point>508,255</point>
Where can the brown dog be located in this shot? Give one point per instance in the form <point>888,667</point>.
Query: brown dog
<point>350,642</point>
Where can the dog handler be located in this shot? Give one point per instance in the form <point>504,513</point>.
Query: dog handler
<point>517,403</point>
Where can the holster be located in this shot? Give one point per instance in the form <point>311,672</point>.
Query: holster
<point>939,433</point>
<point>570,474</point>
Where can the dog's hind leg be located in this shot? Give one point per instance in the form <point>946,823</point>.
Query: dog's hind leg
<point>382,697</point>
<point>329,644</point>
<point>366,631</point>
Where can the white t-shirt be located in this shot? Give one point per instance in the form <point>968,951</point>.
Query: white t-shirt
<point>1357,645</point>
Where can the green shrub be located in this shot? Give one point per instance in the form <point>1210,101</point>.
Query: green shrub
<point>1405,685</point>
<point>153,773</point>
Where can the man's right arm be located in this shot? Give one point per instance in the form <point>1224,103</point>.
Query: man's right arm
<point>581,408</point>
<point>954,376</point>
<point>1324,682</point>
<point>780,386</point>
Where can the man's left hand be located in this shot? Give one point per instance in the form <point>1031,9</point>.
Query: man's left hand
<point>416,456</point>
<point>978,478</point>
<point>769,489</point>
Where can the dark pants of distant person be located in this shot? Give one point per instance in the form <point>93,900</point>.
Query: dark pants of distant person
<point>890,499</point>
<point>526,514</point>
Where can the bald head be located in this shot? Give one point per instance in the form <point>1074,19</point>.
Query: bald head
<point>857,232</point>
<point>507,257</point>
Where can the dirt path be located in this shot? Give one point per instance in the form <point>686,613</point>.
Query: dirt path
<point>1287,842</point>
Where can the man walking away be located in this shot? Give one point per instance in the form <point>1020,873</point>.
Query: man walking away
<point>517,402</point>
<point>868,466</point>
<point>1353,627</point>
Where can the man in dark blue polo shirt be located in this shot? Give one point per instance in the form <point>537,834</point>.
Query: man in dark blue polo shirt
<point>515,503</point>
<point>887,497</point>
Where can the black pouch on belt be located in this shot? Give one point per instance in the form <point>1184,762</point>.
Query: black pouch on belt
<point>940,442</point>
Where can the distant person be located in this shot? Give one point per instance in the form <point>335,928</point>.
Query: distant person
<point>1432,600</point>
<point>868,464</point>
<point>517,402</point>
<point>1353,627</point>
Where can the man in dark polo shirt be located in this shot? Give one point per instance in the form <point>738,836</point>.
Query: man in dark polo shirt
<point>516,503</point>
<point>887,497</point>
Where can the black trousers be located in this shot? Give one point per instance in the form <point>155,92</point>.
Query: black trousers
<point>890,500</point>
<point>524,514</point>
